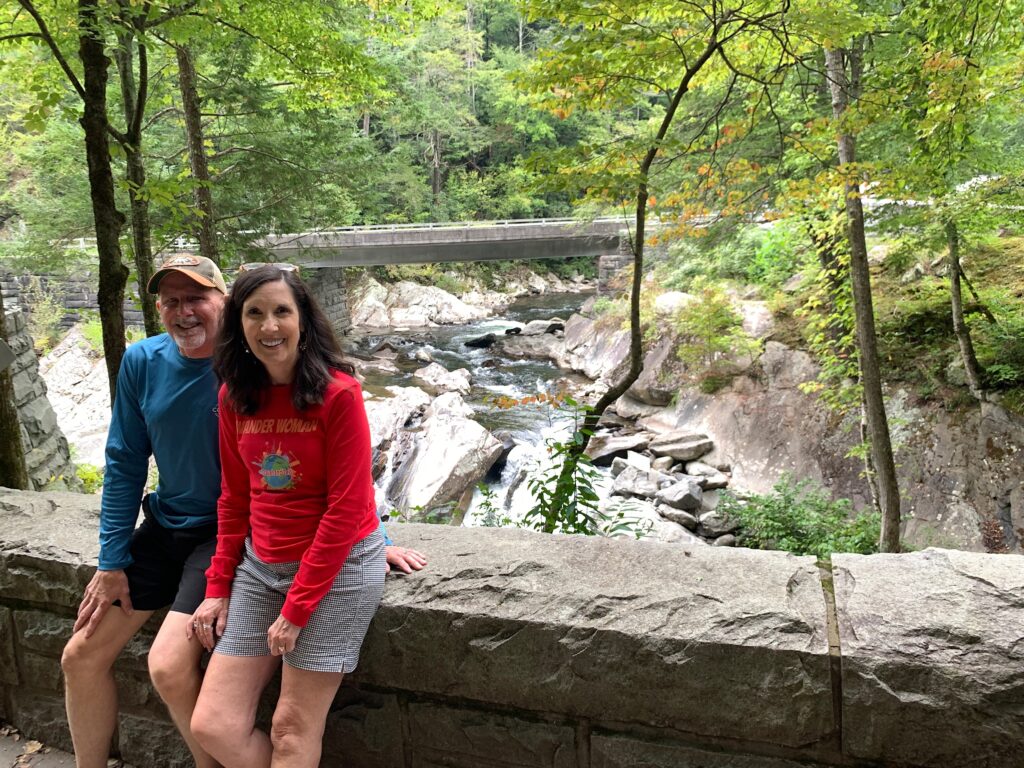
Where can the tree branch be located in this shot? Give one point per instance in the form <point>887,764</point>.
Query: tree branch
<point>29,6</point>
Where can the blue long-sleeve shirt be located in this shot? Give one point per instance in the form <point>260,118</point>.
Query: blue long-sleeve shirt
<point>166,406</point>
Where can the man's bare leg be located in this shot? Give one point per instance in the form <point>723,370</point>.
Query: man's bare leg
<point>90,692</point>
<point>174,668</point>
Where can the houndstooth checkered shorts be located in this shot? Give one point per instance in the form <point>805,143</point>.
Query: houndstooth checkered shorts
<point>330,642</point>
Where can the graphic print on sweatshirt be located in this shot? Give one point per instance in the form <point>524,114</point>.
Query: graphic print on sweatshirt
<point>277,470</point>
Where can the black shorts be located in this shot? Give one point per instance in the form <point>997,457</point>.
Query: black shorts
<point>169,564</point>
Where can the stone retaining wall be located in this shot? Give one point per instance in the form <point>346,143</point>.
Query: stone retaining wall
<point>47,455</point>
<point>518,649</point>
<point>77,294</point>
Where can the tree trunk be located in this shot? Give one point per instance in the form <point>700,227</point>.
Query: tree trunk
<point>202,195</point>
<point>108,220</point>
<point>142,244</point>
<point>435,171</point>
<point>366,124</point>
<point>13,472</point>
<point>867,344</point>
<point>636,366</point>
<point>972,368</point>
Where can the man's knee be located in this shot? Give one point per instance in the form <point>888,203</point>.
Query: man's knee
<point>84,658</point>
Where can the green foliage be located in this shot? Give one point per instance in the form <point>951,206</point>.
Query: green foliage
<point>45,315</point>
<point>92,332</point>
<point>710,327</point>
<point>801,518</point>
<point>1000,345</point>
<point>565,499</point>
<point>91,477</point>
<point>490,514</point>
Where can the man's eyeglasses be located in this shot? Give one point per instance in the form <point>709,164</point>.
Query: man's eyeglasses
<point>252,266</point>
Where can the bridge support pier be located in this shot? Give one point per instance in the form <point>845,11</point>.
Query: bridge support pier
<point>609,265</point>
<point>328,286</point>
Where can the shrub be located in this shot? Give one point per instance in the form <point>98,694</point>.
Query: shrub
<point>91,477</point>
<point>802,518</point>
<point>45,314</point>
<point>711,328</point>
<point>92,332</point>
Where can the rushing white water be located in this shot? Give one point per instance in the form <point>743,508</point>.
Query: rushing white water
<point>531,426</point>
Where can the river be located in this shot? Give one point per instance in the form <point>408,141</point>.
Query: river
<point>494,377</point>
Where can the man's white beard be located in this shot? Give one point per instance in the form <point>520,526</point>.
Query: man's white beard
<point>189,339</point>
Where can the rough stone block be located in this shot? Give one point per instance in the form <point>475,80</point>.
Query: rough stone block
<point>41,716</point>
<point>933,653</point>
<point>36,577</point>
<point>364,730</point>
<point>446,736</point>
<point>145,741</point>
<point>8,663</point>
<point>42,632</point>
<point>42,673</point>
<point>620,751</point>
<point>526,621</point>
<point>135,691</point>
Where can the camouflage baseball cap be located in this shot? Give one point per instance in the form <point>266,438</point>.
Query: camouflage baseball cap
<point>199,268</point>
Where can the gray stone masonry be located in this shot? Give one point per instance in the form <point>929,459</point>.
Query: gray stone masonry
<point>329,288</point>
<point>47,455</point>
<point>78,295</point>
<point>515,649</point>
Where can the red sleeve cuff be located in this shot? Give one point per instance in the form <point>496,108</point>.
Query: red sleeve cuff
<point>296,615</point>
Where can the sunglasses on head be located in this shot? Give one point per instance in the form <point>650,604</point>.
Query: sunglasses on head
<point>252,266</point>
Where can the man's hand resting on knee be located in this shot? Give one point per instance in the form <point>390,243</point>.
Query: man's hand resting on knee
<point>101,592</point>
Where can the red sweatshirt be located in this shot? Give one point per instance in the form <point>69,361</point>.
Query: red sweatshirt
<point>301,482</point>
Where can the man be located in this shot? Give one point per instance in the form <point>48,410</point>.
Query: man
<point>166,406</point>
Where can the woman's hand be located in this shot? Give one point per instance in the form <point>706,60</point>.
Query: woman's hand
<point>281,636</point>
<point>404,559</point>
<point>208,621</point>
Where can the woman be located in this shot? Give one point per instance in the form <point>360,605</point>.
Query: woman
<point>296,504</point>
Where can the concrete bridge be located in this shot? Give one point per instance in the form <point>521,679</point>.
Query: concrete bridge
<point>380,244</point>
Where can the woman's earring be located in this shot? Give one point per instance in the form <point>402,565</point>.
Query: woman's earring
<point>245,348</point>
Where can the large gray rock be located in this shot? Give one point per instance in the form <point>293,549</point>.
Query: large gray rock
<point>389,414</point>
<point>683,494</point>
<point>717,524</point>
<point>437,379</point>
<point>603,448</point>
<point>933,656</point>
<point>681,445</point>
<point>544,346</point>
<point>633,481</point>
<point>726,643</point>
<point>408,304</point>
<point>450,455</point>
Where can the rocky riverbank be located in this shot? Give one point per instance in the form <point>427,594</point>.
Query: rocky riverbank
<point>960,473</point>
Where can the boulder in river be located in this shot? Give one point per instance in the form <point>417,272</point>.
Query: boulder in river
<point>452,453</point>
<point>437,379</point>
<point>481,342</point>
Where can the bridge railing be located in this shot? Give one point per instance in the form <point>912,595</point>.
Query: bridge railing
<point>185,244</point>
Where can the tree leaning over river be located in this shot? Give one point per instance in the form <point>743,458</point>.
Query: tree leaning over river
<point>611,57</point>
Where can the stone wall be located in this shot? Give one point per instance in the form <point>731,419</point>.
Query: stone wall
<point>516,649</point>
<point>329,288</point>
<point>78,295</point>
<point>47,455</point>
